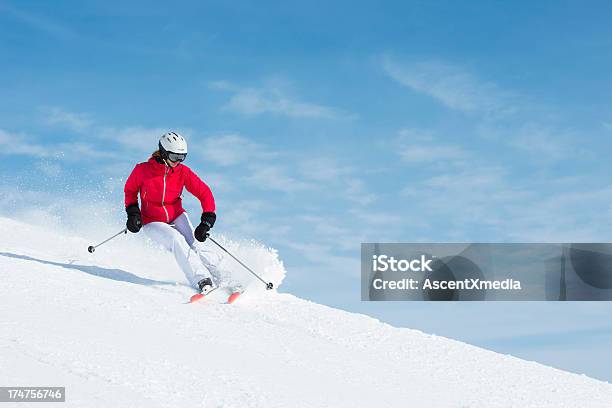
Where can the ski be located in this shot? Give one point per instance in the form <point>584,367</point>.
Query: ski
<point>196,297</point>
<point>233,295</point>
<point>232,298</point>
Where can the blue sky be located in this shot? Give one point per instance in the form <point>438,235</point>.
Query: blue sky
<point>320,126</point>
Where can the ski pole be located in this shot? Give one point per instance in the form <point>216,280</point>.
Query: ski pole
<point>269,285</point>
<point>92,248</point>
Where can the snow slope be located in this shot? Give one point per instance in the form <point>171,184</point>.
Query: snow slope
<point>112,327</point>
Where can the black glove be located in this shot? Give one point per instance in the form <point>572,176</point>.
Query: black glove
<point>134,221</point>
<point>208,220</point>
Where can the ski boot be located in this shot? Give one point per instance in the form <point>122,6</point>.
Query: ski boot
<point>205,285</point>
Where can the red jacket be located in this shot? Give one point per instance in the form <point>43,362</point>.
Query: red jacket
<point>160,189</point>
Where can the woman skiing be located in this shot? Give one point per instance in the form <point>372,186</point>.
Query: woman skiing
<point>160,182</point>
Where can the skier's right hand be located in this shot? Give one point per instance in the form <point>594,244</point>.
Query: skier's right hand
<point>134,221</point>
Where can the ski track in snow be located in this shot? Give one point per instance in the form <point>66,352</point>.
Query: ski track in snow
<point>114,329</point>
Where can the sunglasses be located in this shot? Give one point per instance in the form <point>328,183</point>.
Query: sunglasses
<point>176,157</point>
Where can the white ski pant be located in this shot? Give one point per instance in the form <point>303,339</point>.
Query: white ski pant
<point>178,238</point>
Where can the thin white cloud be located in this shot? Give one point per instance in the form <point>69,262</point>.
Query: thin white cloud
<point>331,175</point>
<point>464,188</point>
<point>328,256</point>
<point>450,85</point>
<point>380,220</point>
<point>426,154</point>
<point>222,182</point>
<point>323,169</point>
<point>38,22</point>
<point>74,121</point>
<point>233,149</point>
<point>545,143</point>
<point>223,85</point>
<point>80,151</point>
<point>275,177</point>
<point>415,146</point>
<point>415,135</point>
<point>272,99</point>
<point>136,139</point>
<point>498,206</point>
<point>20,143</point>
<point>477,177</point>
<point>257,101</point>
<point>355,191</point>
<point>498,114</point>
<point>242,217</point>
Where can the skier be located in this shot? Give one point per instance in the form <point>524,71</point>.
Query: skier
<point>160,182</point>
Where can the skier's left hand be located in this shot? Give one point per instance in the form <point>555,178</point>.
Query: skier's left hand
<point>208,220</point>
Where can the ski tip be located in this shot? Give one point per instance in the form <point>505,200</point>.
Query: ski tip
<point>232,298</point>
<point>196,297</point>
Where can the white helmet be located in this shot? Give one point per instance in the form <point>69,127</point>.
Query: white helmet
<point>173,146</point>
